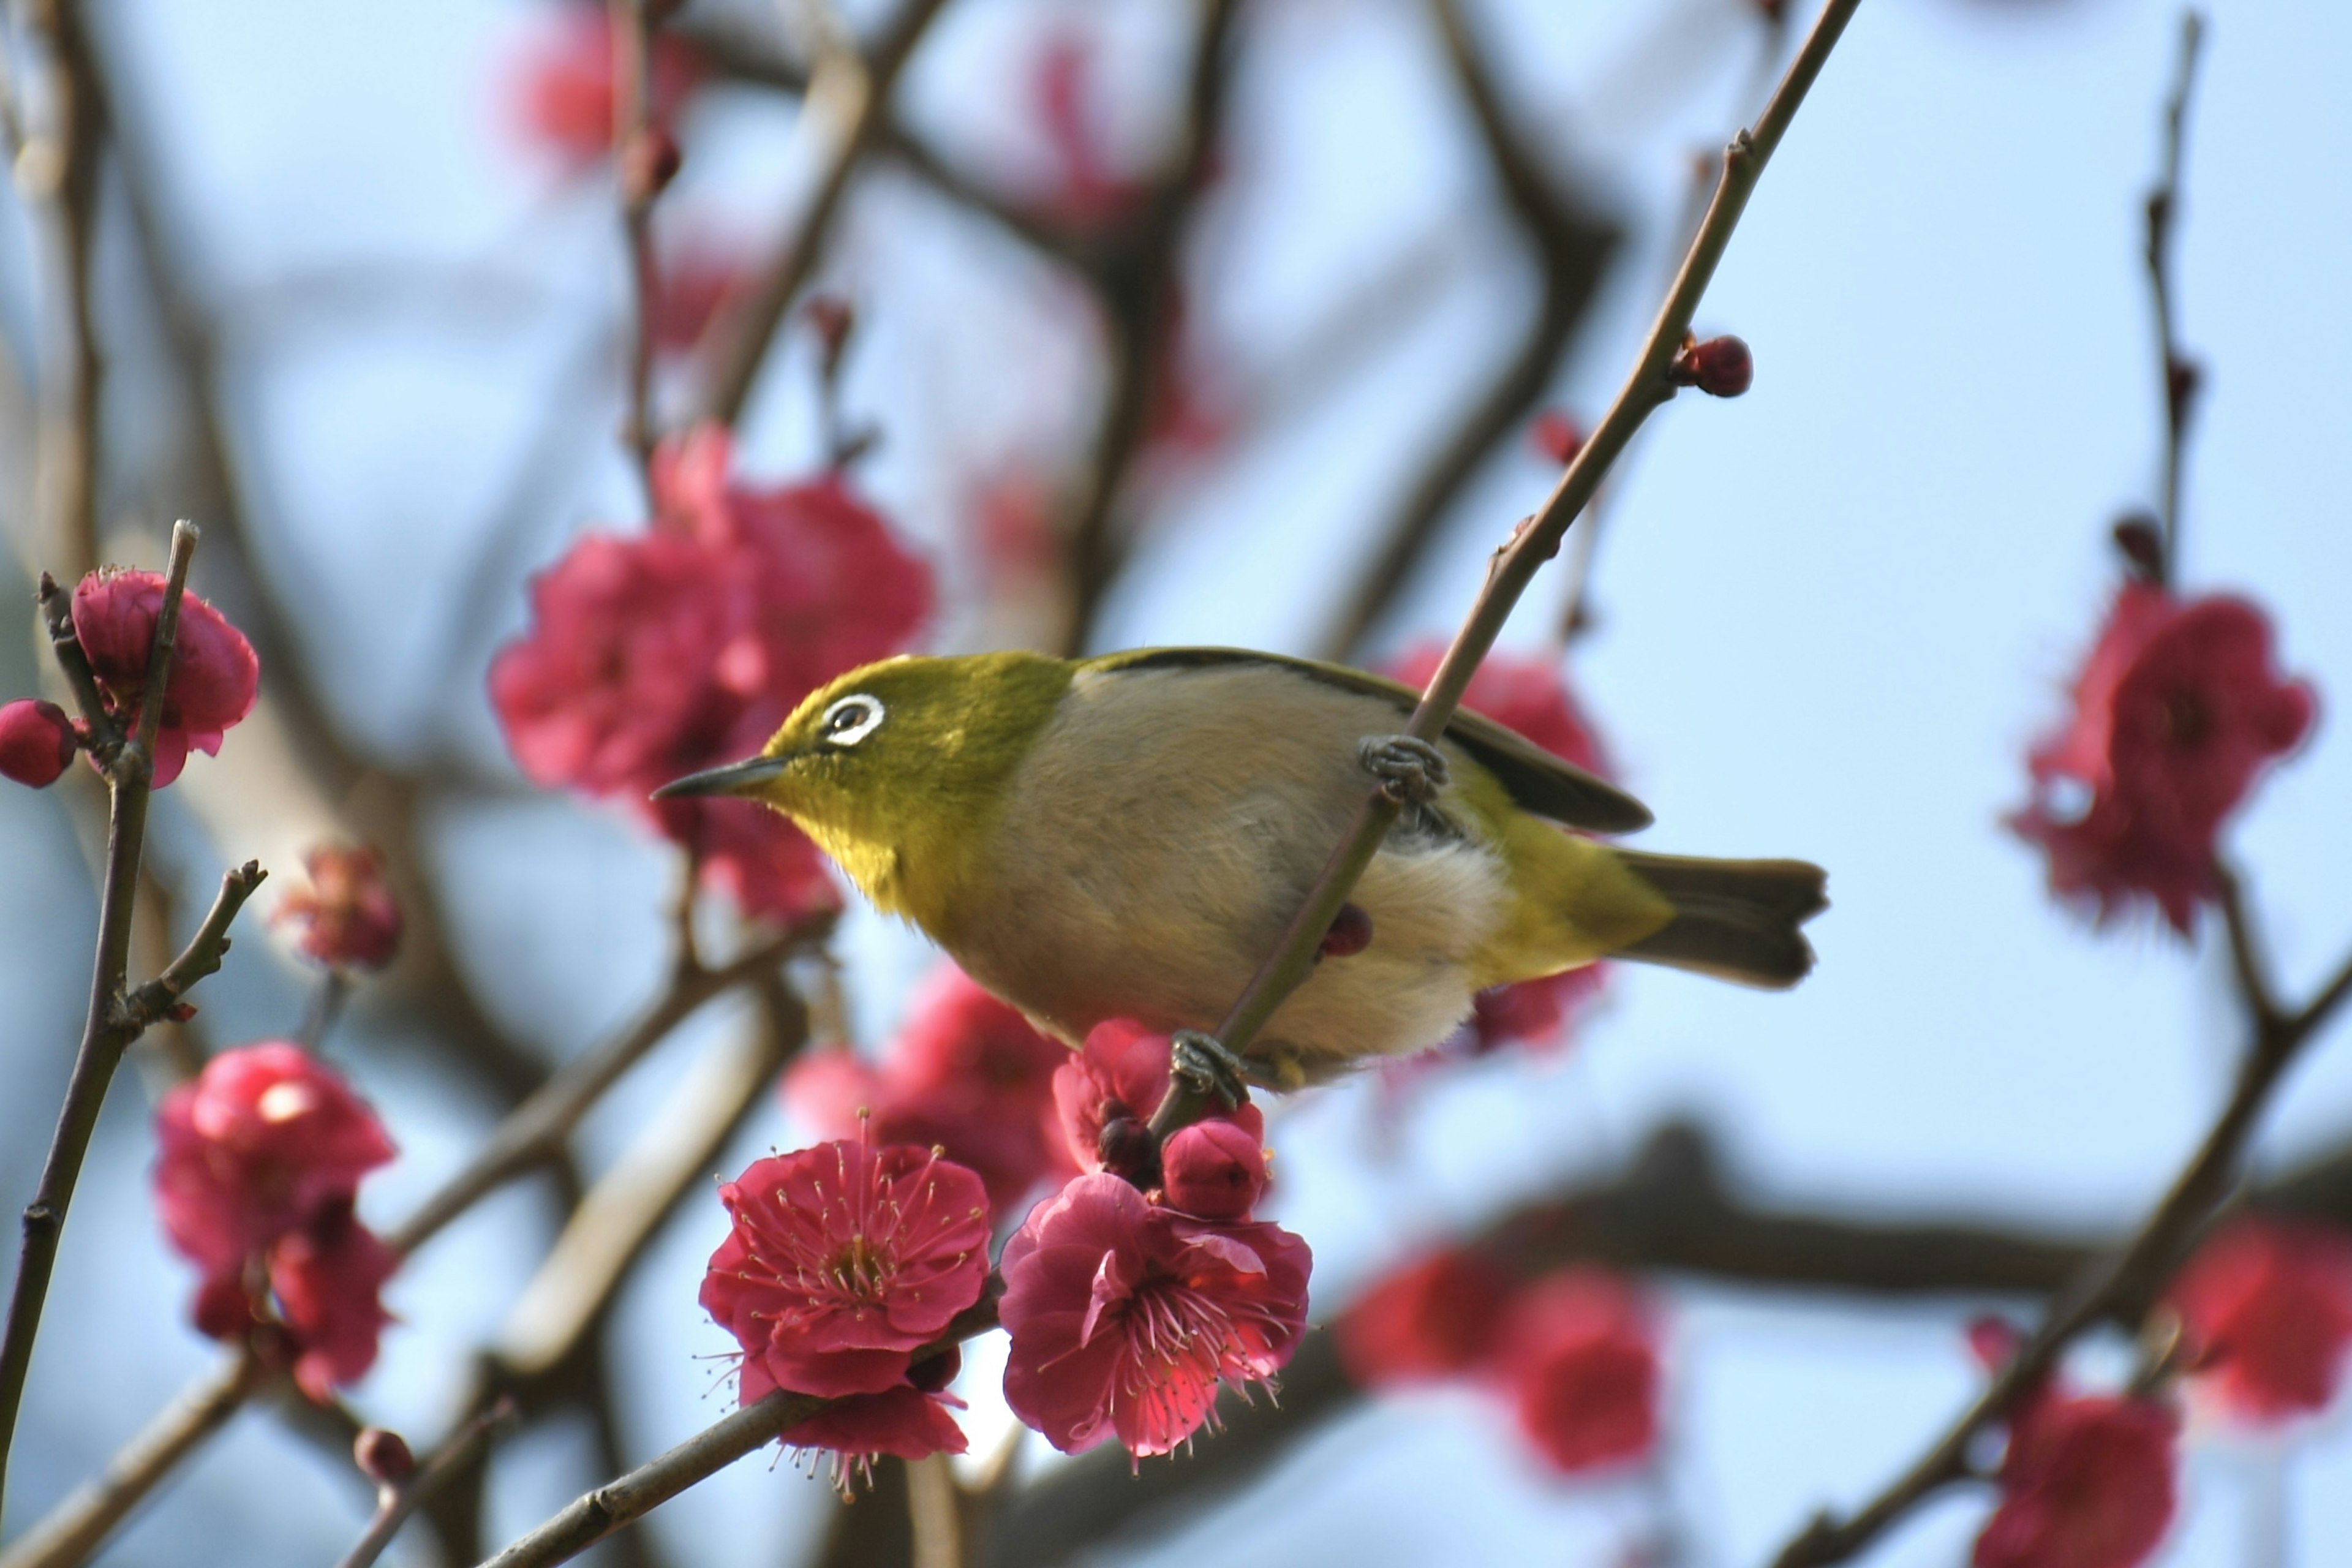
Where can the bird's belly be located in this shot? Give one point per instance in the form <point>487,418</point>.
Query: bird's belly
<point>1167,953</point>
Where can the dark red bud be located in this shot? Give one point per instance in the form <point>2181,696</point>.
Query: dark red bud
<point>36,741</point>
<point>179,1012</point>
<point>2181,378</point>
<point>1350,933</point>
<point>383,1457</point>
<point>1128,1150</point>
<point>651,163</point>
<point>2142,545</point>
<point>1720,367</point>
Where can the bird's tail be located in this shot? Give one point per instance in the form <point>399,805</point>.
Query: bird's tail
<point>1735,920</point>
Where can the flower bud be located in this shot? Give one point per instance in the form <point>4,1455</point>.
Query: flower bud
<point>36,741</point>
<point>1215,1170</point>
<point>1127,1150</point>
<point>383,1455</point>
<point>348,917</point>
<point>1720,367</point>
<point>1351,934</point>
<point>1557,436</point>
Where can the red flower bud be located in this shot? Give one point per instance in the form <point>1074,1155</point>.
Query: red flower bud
<point>383,1457</point>
<point>2142,547</point>
<point>1213,1169</point>
<point>347,916</point>
<point>1351,934</point>
<point>215,675</point>
<point>1720,367</point>
<point>36,741</point>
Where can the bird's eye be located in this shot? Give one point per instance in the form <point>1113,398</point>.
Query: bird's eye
<point>850,720</point>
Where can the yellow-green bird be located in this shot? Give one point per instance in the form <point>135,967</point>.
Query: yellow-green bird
<point>1127,837</point>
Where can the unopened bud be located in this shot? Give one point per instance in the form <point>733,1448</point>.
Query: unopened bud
<point>1720,367</point>
<point>1128,1150</point>
<point>179,1012</point>
<point>36,741</point>
<point>1351,934</point>
<point>2141,544</point>
<point>1557,436</point>
<point>832,319</point>
<point>383,1455</point>
<point>650,163</point>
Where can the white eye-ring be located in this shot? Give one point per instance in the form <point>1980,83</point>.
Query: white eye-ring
<point>851,719</point>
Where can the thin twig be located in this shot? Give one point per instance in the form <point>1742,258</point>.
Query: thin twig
<point>395,1503</point>
<point>107,1030</point>
<point>105,736</point>
<point>2177,375</point>
<point>68,173</point>
<point>2130,1275</point>
<point>618,1503</point>
<point>636,159</point>
<point>68,1533</point>
<point>845,100</point>
<point>1514,565</point>
<point>155,1001</point>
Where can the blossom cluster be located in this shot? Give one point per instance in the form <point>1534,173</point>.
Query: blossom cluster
<point>259,1168</point>
<point>345,917</point>
<point>656,655</point>
<point>1130,1295</point>
<point>1573,1353</point>
<point>2177,709</point>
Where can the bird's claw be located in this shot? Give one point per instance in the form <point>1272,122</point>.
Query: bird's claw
<point>1411,771</point>
<point>1208,1068</point>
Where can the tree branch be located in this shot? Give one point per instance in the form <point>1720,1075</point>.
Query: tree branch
<point>620,1503</point>
<point>395,1503</point>
<point>107,1029</point>
<point>69,175</point>
<point>152,1002</point>
<point>846,98</point>
<point>1514,565</point>
<point>2177,375</point>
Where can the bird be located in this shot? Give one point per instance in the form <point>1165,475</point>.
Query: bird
<point>1127,837</point>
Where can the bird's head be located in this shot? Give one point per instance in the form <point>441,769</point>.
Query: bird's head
<point>896,769</point>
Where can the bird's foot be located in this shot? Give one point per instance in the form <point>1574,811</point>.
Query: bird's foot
<point>1411,771</point>
<point>1207,1067</point>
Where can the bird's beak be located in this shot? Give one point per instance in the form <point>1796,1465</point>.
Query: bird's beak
<point>735,778</point>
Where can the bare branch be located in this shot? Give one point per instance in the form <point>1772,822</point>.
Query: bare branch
<point>2177,376</point>
<point>155,1001</point>
<point>66,171</point>
<point>106,1030</point>
<point>73,1529</point>
<point>620,1503</point>
<point>845,100</point>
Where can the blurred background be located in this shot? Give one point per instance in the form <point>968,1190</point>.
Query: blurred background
<point>362,308</point>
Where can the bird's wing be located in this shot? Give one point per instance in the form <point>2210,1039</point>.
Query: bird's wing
<point>1537,780</point>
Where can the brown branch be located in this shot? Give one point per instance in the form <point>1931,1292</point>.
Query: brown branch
<point>1572,248</point>
<point>636,157</point>
<point>395,1503</point>
<point>2177,375</point>
<point>620,1503</point>
<point>2131,1275</point>
<point>153,1001</point>
<point>108,1028</point>
<point>75,1527</point>
<point>1650,383</point>
<point>69,172</point>
<point>1134,271</point>
<point>852,95</point>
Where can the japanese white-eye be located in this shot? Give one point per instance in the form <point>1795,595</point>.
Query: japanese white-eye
<point>1127,837</point>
